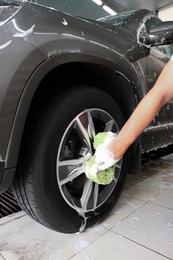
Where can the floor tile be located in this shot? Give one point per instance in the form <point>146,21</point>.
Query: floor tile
<point>126,206</point>
<point>9,256</point>
<point>155,174</point>
<point>25,237</point>
<point>112,246</point>
<point>1,258</point>
<point>12,217</point>
<point>142,193</point>
<point>150,226</point>
<point>164,199</point>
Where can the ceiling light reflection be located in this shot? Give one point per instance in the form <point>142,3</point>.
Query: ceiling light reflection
<point>109,10</point>
<point>98,2</point>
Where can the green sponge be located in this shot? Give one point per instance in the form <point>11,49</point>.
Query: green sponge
<point>99,139</point>
<point>100,177</point>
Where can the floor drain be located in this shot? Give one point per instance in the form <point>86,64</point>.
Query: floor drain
<point>8,204</point>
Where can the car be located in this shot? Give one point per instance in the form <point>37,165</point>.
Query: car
<point>67,74</point>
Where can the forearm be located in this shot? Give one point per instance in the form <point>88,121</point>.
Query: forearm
<point>138,121</point>
<point>145,111</point>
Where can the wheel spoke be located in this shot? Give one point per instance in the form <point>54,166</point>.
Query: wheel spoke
<point>95,197</point>
<point>91,128</point>
<point>89,196</point>
<point>72,172</point>
<point>82,130</point>
<point>118,166</point>
<point>88,187</point>
<point>72,175</point>
<point>115,179</point>
<point>85,128</point>
<point>74,162</point>
<point>109,125</point>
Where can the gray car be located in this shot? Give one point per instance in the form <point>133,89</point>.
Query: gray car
<point>69,70</point>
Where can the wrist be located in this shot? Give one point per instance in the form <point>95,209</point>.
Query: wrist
<point>117,147</point>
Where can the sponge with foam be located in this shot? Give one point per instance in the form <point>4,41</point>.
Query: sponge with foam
<point>100,167</point>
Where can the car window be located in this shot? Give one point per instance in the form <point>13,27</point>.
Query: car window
<point>118,19</point>
<point>153,20</point>
<point>82,8</point>
<point>92,9</point>
<point>166,49</point>
<point>10,2</point>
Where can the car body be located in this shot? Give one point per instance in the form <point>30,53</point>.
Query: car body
<point>66,76</point>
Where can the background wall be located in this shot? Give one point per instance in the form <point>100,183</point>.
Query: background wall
<point>166,14</point>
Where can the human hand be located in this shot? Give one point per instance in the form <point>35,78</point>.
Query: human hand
<point>103,156</point>
<point>99,168</point>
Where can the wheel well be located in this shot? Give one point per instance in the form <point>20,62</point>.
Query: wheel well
<point>78,74</point>
<point>81,74</point>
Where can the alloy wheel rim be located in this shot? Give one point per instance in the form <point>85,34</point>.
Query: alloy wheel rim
<point>74,150</point>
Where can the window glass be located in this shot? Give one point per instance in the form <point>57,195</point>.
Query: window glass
<point>153,20</point>
<point>117,20</point>
<point>166,49</point>
<point>90,9</point>
<point>84,8</point>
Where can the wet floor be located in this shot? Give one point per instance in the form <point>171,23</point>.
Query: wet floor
<point>139,227</point>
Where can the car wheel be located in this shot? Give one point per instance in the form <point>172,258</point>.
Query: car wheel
<point>50,184</point>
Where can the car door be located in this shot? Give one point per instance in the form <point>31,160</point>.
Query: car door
<point>160,132</point>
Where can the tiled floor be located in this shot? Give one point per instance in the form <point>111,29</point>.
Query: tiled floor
<point>139,227</point>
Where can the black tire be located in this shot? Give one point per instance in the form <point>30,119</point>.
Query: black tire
<point>57,143</point>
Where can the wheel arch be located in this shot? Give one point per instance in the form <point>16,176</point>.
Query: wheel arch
<point>57,73</point>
